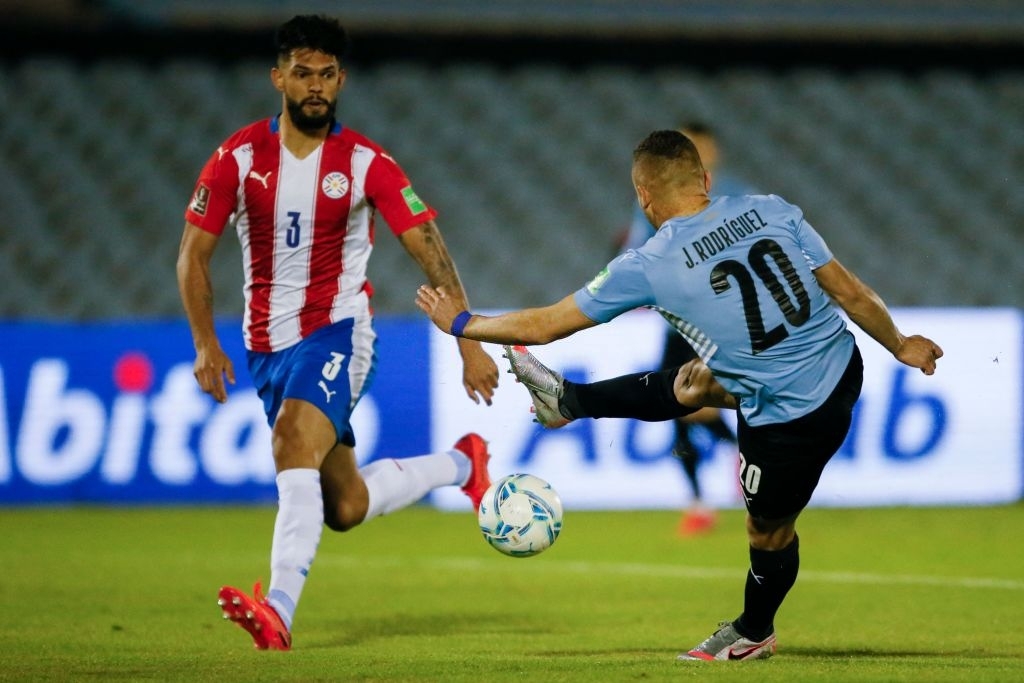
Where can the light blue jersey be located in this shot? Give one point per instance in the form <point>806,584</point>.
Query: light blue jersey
<point>737,281</point>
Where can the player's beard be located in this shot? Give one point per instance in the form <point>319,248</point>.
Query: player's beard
<point>307,123</point>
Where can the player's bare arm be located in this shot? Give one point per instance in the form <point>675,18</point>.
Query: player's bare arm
<point>528,326</point>
<point>869,312</point>
<point>212,365</point>
<point>426,246</point>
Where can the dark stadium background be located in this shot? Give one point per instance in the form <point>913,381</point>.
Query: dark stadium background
<point>897,126</point>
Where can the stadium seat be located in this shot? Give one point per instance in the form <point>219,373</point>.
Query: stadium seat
<point>527,165</point>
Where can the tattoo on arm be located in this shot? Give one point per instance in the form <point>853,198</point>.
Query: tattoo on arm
<point>437,264</point>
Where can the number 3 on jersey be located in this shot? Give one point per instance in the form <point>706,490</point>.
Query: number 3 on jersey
<point>291,238</point>
<point>333,366</point>
<point>757,258</point>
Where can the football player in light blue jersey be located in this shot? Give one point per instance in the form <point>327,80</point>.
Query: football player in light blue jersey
<point>750,284</point>
<point>698,518</point>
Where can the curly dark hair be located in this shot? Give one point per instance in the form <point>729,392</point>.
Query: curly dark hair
<point>314,32</point>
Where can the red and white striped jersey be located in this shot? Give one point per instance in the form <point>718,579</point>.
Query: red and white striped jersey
<point>306,226</point>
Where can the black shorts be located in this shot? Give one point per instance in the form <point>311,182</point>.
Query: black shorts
<point>780,464</point>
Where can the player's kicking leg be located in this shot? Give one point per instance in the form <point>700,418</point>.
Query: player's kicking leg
<point>649,396</point>
<point>544,384</point>
<point>390,485</point>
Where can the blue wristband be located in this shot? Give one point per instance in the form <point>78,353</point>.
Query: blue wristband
<point>459,324</point>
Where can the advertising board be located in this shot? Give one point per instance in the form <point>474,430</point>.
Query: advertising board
<point>110,413</point>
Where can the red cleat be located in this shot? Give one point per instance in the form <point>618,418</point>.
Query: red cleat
<point>697,522</point>
<point>256,616</point>
<point>475,448</point>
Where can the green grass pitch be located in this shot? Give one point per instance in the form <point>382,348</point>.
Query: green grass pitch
<point>128,594</point>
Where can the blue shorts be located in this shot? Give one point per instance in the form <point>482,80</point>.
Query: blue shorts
<point>331,368</point>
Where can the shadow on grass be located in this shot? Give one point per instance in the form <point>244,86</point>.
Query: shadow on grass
<point>355,631</point>
<point>360,631</point>
<point>349,632</point>
<point>837,653</point>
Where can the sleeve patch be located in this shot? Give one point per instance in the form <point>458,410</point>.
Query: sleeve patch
<point>200,200</point>
<point>413,201</point>
<point>594,285</point>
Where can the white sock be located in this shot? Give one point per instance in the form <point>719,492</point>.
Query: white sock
<point>300,521</point>
<point>397,483</point>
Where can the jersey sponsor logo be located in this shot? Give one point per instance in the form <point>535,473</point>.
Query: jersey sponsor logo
<point>335,185</point>
<point>200,200</point>
<point>412,200</point>
<point>262,178</point>
<point>598,280</point>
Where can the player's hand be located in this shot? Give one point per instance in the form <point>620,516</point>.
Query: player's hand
<point>211,367</point>
<point>438,307</point>
<point>479,371</point>
<point>696,387</point>
<point>919,352</point>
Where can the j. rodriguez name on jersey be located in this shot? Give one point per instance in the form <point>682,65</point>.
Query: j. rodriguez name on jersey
<point>728,233</point>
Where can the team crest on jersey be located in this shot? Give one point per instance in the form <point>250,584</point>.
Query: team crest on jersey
<point>200,200</point>
<point>335,185</point>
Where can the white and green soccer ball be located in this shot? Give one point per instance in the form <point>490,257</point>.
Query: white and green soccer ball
<point>520,515</point>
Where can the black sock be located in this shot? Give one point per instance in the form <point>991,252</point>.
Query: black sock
<point>775,572</point>
<point>646,396</point>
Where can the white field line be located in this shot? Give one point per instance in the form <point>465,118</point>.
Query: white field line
<point>520,565</point>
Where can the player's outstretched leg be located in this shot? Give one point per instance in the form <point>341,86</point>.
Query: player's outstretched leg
<point>255,616</point>
<point>475,448</point>
<point>544,384</point>
<point>728,644</point>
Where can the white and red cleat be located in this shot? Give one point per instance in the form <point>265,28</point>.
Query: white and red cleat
<point>475,448</point>
<point>256,616</point>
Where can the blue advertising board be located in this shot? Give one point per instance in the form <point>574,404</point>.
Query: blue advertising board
<point>111,412</point>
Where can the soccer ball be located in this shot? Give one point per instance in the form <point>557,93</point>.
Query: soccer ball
<point>520,515</point>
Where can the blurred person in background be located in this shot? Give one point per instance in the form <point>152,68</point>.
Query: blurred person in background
<point>757,292</point>
<point>302,192</point>
<point>706,426</point>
